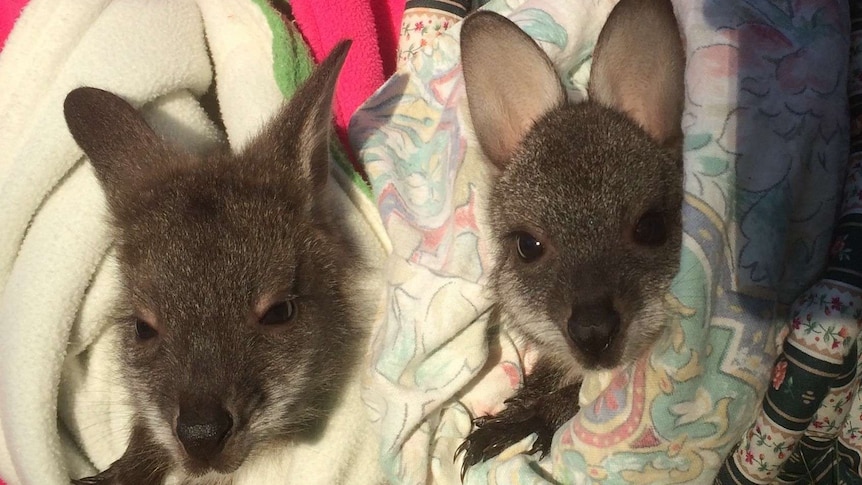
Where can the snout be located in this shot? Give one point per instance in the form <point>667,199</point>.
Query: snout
<point>203,431</point>
<point>592,329</point>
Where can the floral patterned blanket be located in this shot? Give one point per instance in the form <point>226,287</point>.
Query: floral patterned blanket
<point>766,140</point>
<point>808,428</point>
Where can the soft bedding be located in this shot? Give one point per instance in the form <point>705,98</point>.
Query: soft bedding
<point>766,125</point>
<point>62,406</point>
<point>766,140</point>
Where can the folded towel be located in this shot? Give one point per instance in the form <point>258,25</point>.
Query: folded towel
<point>765,151</point>
<point>62,410</point>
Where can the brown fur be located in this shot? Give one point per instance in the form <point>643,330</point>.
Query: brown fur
<point>206,245</point>
<point>585,180</point>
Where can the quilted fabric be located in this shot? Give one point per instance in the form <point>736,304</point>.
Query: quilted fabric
<point>766,140</point>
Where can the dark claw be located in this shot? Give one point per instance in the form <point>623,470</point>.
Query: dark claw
<point>496,433</point>
<point>101,478</point>
<point>542,445</point>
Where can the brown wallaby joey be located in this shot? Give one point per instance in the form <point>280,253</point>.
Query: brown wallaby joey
<point>240,320</point>
<point>584,211</point>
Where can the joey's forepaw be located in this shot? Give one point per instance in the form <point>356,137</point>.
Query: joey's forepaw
<point>493,434</point>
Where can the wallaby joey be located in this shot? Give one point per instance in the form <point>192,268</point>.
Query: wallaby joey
<point>239,322</point>
<point>584,210</point>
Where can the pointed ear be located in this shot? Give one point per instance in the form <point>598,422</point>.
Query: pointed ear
<point>510,83</point>
<point>114,136</point>
<point>639,67</point>
<point>302,130</point>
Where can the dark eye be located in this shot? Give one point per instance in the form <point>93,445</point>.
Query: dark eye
<point>529,248</point>
<point>280,312</point>
<point>650,230</point>
<point>144,331</point>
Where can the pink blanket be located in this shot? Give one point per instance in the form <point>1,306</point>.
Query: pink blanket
<point>374,27</point>
<point>9,11</point>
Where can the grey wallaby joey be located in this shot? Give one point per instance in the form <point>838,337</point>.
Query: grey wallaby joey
<point>239,321</point>
<point>584,210</point>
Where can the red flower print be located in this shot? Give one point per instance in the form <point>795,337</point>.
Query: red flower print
<point>423,43</point>
<point>835,344</point>
<point>778,374</point>
<point>843,332</point>
<point>749,457</point>
<point>818,424</point>
<point>836,303</point>
<point>418,26</point>
<point>446,24</point>
<point>836,248</point>
<point>797,322</point>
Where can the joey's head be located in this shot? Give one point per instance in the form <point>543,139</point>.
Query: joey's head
<point>585,207</point>
<point>239,321</point>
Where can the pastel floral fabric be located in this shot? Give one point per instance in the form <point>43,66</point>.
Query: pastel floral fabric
<point>424,21</point>
<point>766,141</point>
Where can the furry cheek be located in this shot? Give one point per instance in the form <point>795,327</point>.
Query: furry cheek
<point>159,427</point>
<point>531,323</point>
<point>644,329</point>
<point>278,410</point>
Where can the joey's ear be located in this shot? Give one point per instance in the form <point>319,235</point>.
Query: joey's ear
<point>639,68</point>
<point>510,83</point>
<point>301,132</point>
<point>115,137</point>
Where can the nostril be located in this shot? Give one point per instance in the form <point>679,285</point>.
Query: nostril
<point>203,432</point>
<point>593,327</point>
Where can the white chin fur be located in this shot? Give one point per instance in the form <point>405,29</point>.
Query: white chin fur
<point>545,334</point>
<point>644,330</point>
<point>159,429</point>
<point>180,478</point>
<point>268,466</point>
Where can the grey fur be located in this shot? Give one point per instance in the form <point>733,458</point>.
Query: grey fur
<point>205,246</point>
<point>588,180</point>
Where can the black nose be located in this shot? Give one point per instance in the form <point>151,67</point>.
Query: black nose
<point>592,327</point>
<point>203,430</point>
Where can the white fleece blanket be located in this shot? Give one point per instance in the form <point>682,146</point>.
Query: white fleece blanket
<point>61,401</point>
